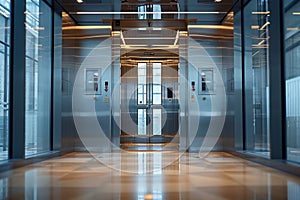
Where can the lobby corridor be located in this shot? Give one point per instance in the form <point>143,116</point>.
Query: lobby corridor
<point>81,176</point>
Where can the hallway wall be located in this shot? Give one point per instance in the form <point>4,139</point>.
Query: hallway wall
<point>221,52</point>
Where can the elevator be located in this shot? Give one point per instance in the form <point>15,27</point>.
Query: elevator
<point>149,97</point>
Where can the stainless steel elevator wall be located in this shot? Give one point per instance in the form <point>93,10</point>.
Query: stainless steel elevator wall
<point>108,108</point>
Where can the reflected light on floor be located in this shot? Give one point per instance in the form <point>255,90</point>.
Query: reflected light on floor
<point>148,196</point>
<point>81,176</point>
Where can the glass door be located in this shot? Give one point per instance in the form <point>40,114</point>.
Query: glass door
<point>149,100</point>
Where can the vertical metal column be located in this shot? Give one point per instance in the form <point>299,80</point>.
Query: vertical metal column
<point>277,113</point>
<point>56,132</point>
<point>17,80</point>
<point>183,93</point>
<point>239,133</point>
<point>247,77</point>
<point>116,91</point>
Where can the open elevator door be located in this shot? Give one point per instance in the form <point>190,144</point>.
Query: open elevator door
<point>149,101</point>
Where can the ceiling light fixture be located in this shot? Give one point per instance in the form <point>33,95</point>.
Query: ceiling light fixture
<point>176,38</point>
<point>261,13</point>
<point>85,27</point>
<point>218,1</point>
<point>79,1</point>
<point>210,27</point>
<point>4,12</point>
<point>264,26</point>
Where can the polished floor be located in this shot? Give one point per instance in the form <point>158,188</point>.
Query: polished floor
<point>147,175</point>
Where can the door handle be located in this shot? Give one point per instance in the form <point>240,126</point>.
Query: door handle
<point>149,106</point>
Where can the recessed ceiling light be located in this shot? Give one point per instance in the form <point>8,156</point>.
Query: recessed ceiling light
<point>79,1</point>
<point>218,1</point>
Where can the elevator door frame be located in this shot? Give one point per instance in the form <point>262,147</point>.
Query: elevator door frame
<point>150,136</point>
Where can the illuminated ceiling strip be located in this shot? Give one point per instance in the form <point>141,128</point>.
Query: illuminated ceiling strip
<point>136,45</point>
<point>85,27</point>
<point>122,38</point>
<point>150,38</point>
<point>257,52</point>
<point>259,46</point>
<point>261,13</point>
<point>4,12</point>
<point>133,13</point>
<point>34,29</point>
<point>147,46</point>
<point>255,27</point>
<point>211,36</point>
<point>31,15</point>
<point>63,14</point>
<point>296,13</point>
<point>293,29</point>
<point>211,27</point>
<point>176,39</point>
<point>295,151</point>
<point>261,42</point>
<point>115,33</point>
<point>165,45</point>
<point>264,26</point>
<point>85,37</point>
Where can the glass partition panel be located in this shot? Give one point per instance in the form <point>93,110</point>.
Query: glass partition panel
<point>256,27</point>
<point>4,76</point>
<point>292,78</point>
<point>38,77</point>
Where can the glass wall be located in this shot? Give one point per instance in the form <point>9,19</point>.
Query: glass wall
<point>38,77</point>
<point>292,78</point>
<point>4,76</point>
<point>256,40</point>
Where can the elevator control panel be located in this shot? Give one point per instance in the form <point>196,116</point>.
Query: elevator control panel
<point>106,86</point>
<point>206,81</point>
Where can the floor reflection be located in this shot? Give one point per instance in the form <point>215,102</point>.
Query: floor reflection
<point>82,176</point>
